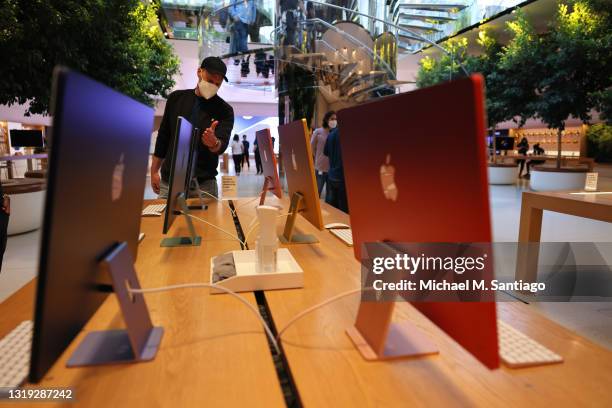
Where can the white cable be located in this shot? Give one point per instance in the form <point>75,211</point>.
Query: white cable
<point>313,308</point>
<point>214,226</point>
<point>248,202</point>
<point>211,285</point>
<point>219,200</point>
<point>251,229</point>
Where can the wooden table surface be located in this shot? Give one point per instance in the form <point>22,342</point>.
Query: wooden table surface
<point>581,160</point>
<point>588,205</point>
<point>214,352</point>
<point>329,371</point>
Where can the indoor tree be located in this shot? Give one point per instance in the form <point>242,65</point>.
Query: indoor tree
<point>447,66</point>
<point>117,42</point>
<point>575,55</point>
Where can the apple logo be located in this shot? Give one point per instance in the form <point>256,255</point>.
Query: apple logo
<point>293,160</point>
<point>117,185</point>
<point>387,180</point>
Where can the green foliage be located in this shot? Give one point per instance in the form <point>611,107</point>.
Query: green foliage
<point>117,42</point>
<point>500,84</point>
<point>297,84</point>
<point>517,69</point>
<point>447,67</point>
<point>564,72</point>
<point>599,142</point>
<point>575,64</point>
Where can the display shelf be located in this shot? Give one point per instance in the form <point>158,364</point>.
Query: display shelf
<point>573,139</point>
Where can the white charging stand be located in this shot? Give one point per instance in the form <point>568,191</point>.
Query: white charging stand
<point>288,273</point>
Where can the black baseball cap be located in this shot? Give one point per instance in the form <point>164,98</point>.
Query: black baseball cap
<point>215,65</point>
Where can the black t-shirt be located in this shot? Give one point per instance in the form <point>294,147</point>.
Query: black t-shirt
<point>184,103</point>
<point>245,145</point>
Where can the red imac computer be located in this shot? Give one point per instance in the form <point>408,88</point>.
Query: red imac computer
<point>299,169</point>
<point>268,162</point>
<point>398,194</point>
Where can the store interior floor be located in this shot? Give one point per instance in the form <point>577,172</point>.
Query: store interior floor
<point>592,320</point>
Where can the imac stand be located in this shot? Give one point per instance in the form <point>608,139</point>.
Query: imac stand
<point>192,239</point>
<point>265,189</point>
<point>377,338</point>
<point>288,236</point>
<point>196,184</point>
<point>140,340</point>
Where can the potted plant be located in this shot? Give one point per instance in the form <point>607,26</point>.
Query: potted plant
<point>570,56</point>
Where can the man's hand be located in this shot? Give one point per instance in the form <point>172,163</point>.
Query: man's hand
<point>6,205</point>
<point>209,138</point>
<point>155,180</point>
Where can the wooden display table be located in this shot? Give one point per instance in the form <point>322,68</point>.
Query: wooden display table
<point>587,205</point>
<point>502,173</point>
<point>27,202</point>
<point>565,160</point>
<point>213,353</point>
<point>329,371</point>
<point>10,159</point>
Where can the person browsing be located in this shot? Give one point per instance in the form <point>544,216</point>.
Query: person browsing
<point>206,111</point>
<point>237,154</point>
<point>317,142</point>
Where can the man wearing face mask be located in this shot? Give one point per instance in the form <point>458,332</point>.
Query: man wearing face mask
<point>207,112</point>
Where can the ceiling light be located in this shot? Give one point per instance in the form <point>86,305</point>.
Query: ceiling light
<point>247,117</point>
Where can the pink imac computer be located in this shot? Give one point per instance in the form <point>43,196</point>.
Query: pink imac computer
<point>397,193</point>
<point>270,168</point>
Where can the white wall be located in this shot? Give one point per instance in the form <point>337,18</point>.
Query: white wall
<point>16,113</point>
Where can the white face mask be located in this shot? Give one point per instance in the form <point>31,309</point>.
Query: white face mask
<point>207,90</point>
<point>332,124</point>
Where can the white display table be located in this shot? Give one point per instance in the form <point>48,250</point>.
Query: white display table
<point>502,173</point>
<point>27,202</point>
<point>553,179</point>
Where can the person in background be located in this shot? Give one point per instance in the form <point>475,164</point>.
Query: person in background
<point>245,152</point>
<point>523,148</point>
<point>258,165</point>
<point>237,154</point>
<point>5,212</point>
<point>537,151</point>
<point>317,142</point>
<point>335,176</point>
<point>205,110</point>
<point>243,13</point>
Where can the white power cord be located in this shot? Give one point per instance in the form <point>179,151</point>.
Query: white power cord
<point>248,202</point>
<point>214,226</point>
<point>211,285</point>
<point>219,200</point>
<point>315,307</point>
<point>230,208</point>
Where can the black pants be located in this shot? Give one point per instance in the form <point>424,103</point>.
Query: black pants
<point>258,162</point>
<point>521,164</point>
<point>237,162</point>
<point>245,159</point>
<point>322,182</point>
<point>4,220</point>
<point>336,195</point>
